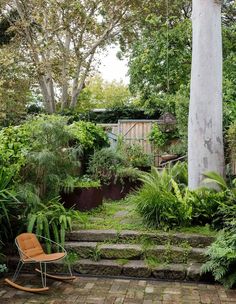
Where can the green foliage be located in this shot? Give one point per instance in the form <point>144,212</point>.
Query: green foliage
<point>14,86</point>
<point>95,254</point>
<point>127,173</point>
<point>160,200</point>
<point>231,138</point>
<point>179,149</point>
<point>109,165</point>
<point>205,203</point>
<point>225,215</point>
<point>88,135</point>
<point>157,137</point>
<point>85,181</point>
<point>213,177</point>
<point>3,268</point>
<point>99,93</point>
<point>9,206</point>
<point>41,155</point>
<point>152,262</point>
<point>51,158</point>
<point>155,60</point>
<point>113,115</point>
<point>165,201</point>
<point>104,163</point>
<point>222,258</point>
<point>51,220</point>
<point>134,154</point>
<point>148,67</point>
<point>14,146</point>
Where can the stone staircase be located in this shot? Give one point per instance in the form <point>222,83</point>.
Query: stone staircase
<point>161,255</point>
<point>167,256</point>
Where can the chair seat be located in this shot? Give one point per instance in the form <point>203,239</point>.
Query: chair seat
<point>46,257</point>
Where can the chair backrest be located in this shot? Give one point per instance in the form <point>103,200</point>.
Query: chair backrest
<point>28,245</point>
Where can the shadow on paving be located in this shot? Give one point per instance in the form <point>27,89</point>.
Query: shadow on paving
<point>89,290</point>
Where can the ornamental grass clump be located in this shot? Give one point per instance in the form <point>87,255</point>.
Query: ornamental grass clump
<point>163,198</point>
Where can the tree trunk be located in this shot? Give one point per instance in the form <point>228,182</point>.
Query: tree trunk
<point>205,136</point>
<point>77,87</point>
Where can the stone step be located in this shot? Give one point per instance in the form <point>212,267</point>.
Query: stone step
<point>160,238</point>
<point>133,268</point>
<point>139,269</point>
<point>169,254</point>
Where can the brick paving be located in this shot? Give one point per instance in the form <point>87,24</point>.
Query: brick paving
<point>89,290</point>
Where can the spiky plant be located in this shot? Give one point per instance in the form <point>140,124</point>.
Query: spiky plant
<point>161,200</point>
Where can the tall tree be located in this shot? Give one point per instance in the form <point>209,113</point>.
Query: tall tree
<point>61,39</point>
<point>205,136</point>
<point>99,93</point>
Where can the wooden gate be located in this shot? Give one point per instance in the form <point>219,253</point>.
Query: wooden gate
<point>137,132</point>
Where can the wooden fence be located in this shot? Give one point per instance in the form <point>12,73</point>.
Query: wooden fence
<point>132,132</point>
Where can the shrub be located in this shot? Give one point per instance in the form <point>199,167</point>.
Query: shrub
<point>103,165</point>
<point>205,203</point>
<point>51,158</point>
<point>226,210</point>
<point>85,181</point>
<point>161,201</point>
<point>180,148</point>
<point>9,206</point>
<point>222,258</point>
<point>88,135</point>
<point>157,137</point>
<point>14,145</point>
<point>231,137</point>
<point>108,165</point>
<point>134,154</point>
<point>51,220</point>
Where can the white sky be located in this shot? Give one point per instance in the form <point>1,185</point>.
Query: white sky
<point>112,68</point>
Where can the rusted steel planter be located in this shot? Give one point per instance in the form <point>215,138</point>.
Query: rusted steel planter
<point>83,199</point>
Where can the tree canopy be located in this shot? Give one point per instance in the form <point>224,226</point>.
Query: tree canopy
<point>60,40</point>
<point>160,59</point>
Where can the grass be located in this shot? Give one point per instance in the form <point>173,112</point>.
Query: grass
<point>122,262</point>
<point>107,217</point>
<point>122,215</point>
<point>152,262</point>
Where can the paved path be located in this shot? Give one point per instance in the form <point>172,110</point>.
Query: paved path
<point>116,291</point>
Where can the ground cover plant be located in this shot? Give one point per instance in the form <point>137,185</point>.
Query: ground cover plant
<point>123,215</point>
<point>222,258</point>
<point>221,254</point>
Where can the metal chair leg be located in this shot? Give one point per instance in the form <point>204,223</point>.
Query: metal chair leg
<point>18,269</point>
<point>43,273</point>
<point>69,268</point>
